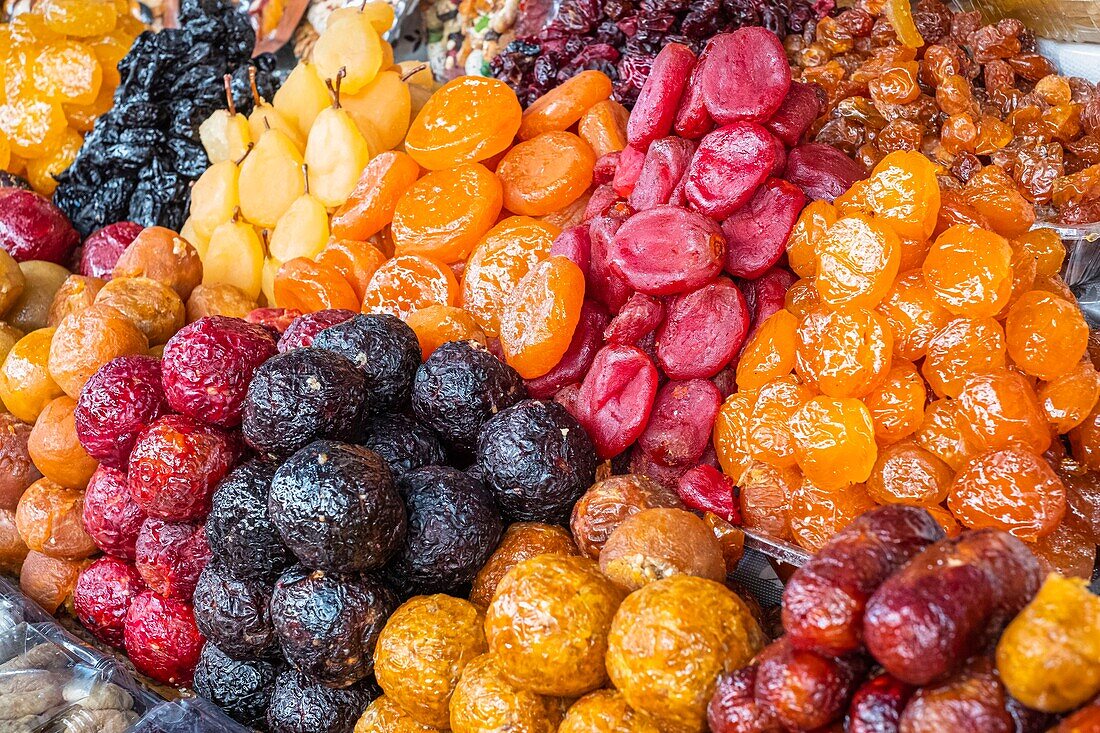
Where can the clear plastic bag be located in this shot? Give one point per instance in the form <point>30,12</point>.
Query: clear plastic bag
<point>1081,270</point>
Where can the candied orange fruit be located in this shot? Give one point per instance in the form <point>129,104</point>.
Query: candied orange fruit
<point>468,119</point>
<point>1009,489</point>
<point>408,283</point>
<point>970,271</point>
<point>540,315</point>
<point>546,173</point>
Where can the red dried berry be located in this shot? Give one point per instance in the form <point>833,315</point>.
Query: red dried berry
<point>32,228</point>
<point>821,171</point>
<point>162,639</point>
<point>665,165</point>
<point>756,234</point>
<point>631,160</point>
<point>746,75</point>
<point>104,246</point>
<point>209,364</point>
<point>638,317</point>
<point>304,328</point>
<point>799,109</point>
<point>175,466</point>
<point>587,340</point>
<point>703,331</point>
<point>729,165</point>
<point>170,556</point>
<point>659,98</point>
<point>116,404</point>
<point>574,245</point>
<point>681,422</point>
<point>111,516</point>
<point>103,595</point>
<point>706,489</point>
<point>615,398</point>
<point>275,320</point>
<point>602,198</point>
<point>603,283</point>
<point>667,250</point>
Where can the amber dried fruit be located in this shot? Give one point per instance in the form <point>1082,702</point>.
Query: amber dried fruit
<point>604,711</point>
<point>609,502</point>
<point>75,294</point>
<point>153,307</point>
<point>769,353</point>
<point>817,513</point>
<point>834,441</point>
<point>969,271</point>
<point>963,347</point>
<point>55,449</point>
<point>659,543</point>
<point>843,353</point>
<point>858,259</point>
<point>905,473</point>
<point>765,498</point>
<point>25,382</point>
<point>87,340</point>
<point>897,403</point>
<point>1009,489</point>
<point>1069,399</point>
<point>731,434</point>
<point>521,541</point>
<point>998,409</point>
<point>49,519</point>
<point>1045,335</point>
<point>484,700</point>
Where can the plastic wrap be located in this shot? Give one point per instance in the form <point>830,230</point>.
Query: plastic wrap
<point>1081,270</point>
<point>1063,20</point>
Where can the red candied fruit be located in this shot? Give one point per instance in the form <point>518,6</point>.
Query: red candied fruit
<point>32,228</point>
<point>587,340</point>
<point>615,398</point>
<point>706,489</point>
<point>638,317</point>
<point>666,163</point>
<point>629,168</point>
<point>303,329</point>
<point>275,320</point>
<point>175,466</point>
<point>574,245</point>
<point>659,98</point>
<point>116,404</point>
<point>103,594</point>
<point>104,246</point>
<point>728,167</point>
<point>209,364</point>
<point>681,421</point>
<point>746,76</point>
<point>703,331</point>
<point>170,556</point>
<point>162,639</point>
<point>111,516</point>
<point>667,250</point>
<point>756,234</point>
<point>602,282</point>
<point>795,115</point>
<point>766,296</point>
<point>821,171</point>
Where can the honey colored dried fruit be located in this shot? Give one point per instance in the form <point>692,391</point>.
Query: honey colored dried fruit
<point>218,299</point>
<point>1012,490</point>
<point>541,610</point>
<point>164,256</point>
<point>86,341</point>
<point>610,502</point>
<point>604,711</point>
<point>55,448</point>
<point>1069,399</point>
<point>49,518</point>
<point>521,541</point>
<point>384,716</point>
<point>834,441</point>
<point>817,513</point>
<point>31,310</point>
<point>75,294</point>
<point>970,271</point>
<point>1046,336</point>
<point>766,498</point>
<point>659,543</point>
<point>858,258</point>
<point>25,382</point>
<point>484,702</point>
<point>17,470</point>
<point>905,473</point>
<point>153,307</point>
<point>13,551</point>
<point>49,581</point>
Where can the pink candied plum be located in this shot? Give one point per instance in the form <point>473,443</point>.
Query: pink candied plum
<point>587,340</point>
<point>692,118</point>
<point>604,171</point>
<point>104,246</point>
<point>681,422</point>
<point>666,162</point>
<point>111,516</point>
<point>641,315</point>
<point>728,167</point>
<point>304,328</point>
<point>603,283</point>
<point>800,108</point>
<point>615,398</point>
<point>821,171</point>
<point>631,159</point>
<point>703,331</point>
<point>176,465</point>
<point>734,709</point>
<point>275,320</point>
<point>756,234</point>
<point>575,245</point>
<point>706,489</point>
<point>162,639</point>
<point>659,98</point>
<point>603,196</point>
<point>766,296</point>
<point>646,465</point>
<point>103,594</point>
<point>117,403</point>
<point>667,250</point>
<point>878,704</point>
<point>746,76</point>
<point>170,556</point>
<point>209,364</point>
<point>32,228</point>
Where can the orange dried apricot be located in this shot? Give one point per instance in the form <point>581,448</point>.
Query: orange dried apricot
<point>858,259</point>
<point>970,271</point>
<point>1069,399</point>
<point>546,173</point>
<point>765,498</point>
<point>731,434</point>
<point>817,513</point>
<point>802,298</point>
<point>770,353</point>
<point>904,192</point>
<point>25,382</point>
<point>993,194</point>
<point>85,341</point>
<point>941,434</point>
<point>843,353</point>
<point>540,315</point>
<point>55,449</point>
<point>1047,247</point>
<point>913,254</point>
<point>1045,335</point>
<point>834,441</point>
<point>603,127</point>
<point>468,119</point>
<point>998,409</point>
<point>897,404</point>
<point>770,437</point>
<point>371,203</point>
<point>406,284</point>
<point>914,314</point>
<point>1023,276</point>
<point>806,236</point>
<point>67,72</point>
<point>563,105</point>
<point>356,261</point>
<point>905,473</point>
<point>963,347</point>
<point>1012,490</point>
<point>309,286</point>
<point>438,324</point>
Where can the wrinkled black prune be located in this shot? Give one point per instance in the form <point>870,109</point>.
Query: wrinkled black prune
<point>300,396</point>
<point>537,460</point>
<point>238,530</point>
<point>405,443</point>
<point>242,689</point>
<point>328,623</point>
<point>10,180</point>
<point>300,705</point>
<point>384,348</point>
<point>233,613</point>
<point>459,387</point>
<point>336,507</point>
<point>453,529</point>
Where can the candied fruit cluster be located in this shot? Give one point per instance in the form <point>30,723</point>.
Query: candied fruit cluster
<point>60,73</point>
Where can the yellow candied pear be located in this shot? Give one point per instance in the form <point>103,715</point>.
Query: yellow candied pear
<point>387,57</point>
<point>225,134</point>
<point>302,231</point>
<point>378,13</point>
<point>264,116</point>
<point>267,286</point>
<point>215,197</point>
<point>384,106</point>
<point>196,240</point>
<point>349,43</point>
<point>302,97</point>
<point>336,153</point>
<point>417,74</point>
<point>235,256</point>
<point>270,179</point>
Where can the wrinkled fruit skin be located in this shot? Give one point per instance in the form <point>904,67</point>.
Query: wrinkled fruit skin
<point>234,613</point>
<point>242,689</point>
<point>104,246</point>
<point>162,639</point>
<point>111,516</point>
<point>303,329</point>
<point>103,595</point>
<point>384,348</point>
<point>170,555</point>
<point>238,529</point>
<point>300,705</point>
<point>116,404</point>
<point>405,443</point>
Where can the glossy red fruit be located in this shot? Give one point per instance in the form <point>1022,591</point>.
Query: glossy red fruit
<point>659,98</point>
<point>703,330</point>
<point>604,284</point>
<point>104,246</point>
<point>878,704</point>
<point>575,245</point>
<point>798,111</point>
<point>734,709</point>
<point>728,166</point>
<point>604,171</point>
<point>116,404</point>
<point>103,594</point>
<point>32,228</point>
<point>667,250</point>
<point>305,327</point>
<point>666,163</point>
<point>692,118</point>
<point>209,364</point>
<point>756,234</point>
<point>821,171</point>
<point>631,160</point>
<point>170,556</point>
<point>706,489</point>
<point>766,295</point>
<point>806,690</point>
<point>175,466</point>
<point>681,421</point>
<point>746,75</point>
<point>602,197</point>
<point>275,320</point>
<point>640,316</point>
<point>615,398</point>
<point>587,340</point>
<point>111,517</point>
<point>162,639</point>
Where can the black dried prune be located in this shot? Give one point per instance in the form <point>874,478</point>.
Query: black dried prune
<point>328,623</point>
<point>459,387</point>
<point>453,528</point>
<point>233,613</point>
<point>242,689</point>
<point>405,443</point>
<point>301,396</point>
<point>336,507</point>
<point>10,180</point>
<point>537,460</point>
<point>384,348</point>
<point>300,705</point>
<point>238,530</point>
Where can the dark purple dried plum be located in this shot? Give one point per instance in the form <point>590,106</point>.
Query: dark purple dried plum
<point>404,442</point>
<point>328,623</point>
<point>300,396</point>
<point>459,387</point>
<point>537,460</point>
<point>10,180</point>
<point>453,528</point>
<point>242,689</point>
<point>384,348</point>
<point>233,613</point>
<point>336,507</point>
<point>300,705</point>
<point>238,530</point>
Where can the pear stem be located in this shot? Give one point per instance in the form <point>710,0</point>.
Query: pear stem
<point>256,98</point>
<point>305,174</point>
<point>227,80</point>
<point>247,150</point>
<point>413,72</point>
<point>334,90</point>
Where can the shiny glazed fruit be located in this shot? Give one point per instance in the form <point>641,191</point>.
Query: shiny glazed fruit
<point>858,259</point>
<point>546,173</point>
<point>469,119</point>
<point>834,441</point>
<point>539,317</point>
<point>1011,490</point>
<point>26,386</point>
<point>1045,335</point>
<point>521,541</point>
<point>667,250</point>
<point>86,341</point>
<point>116,404</point>
<point>446,212</point>
<point>969,271</point>
<point>55,449</point>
